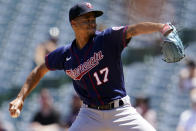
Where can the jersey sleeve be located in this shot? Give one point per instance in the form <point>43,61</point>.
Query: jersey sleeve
<point>116,37</point>
<point>55,60</point>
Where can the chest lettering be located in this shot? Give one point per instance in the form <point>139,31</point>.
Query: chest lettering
<point>82,69</point>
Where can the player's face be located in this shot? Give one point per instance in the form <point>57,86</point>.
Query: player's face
<point>86,23</point>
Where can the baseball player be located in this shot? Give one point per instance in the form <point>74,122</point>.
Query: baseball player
<point>93,61</point>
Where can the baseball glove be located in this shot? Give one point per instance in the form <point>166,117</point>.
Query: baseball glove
<point>172,47</point>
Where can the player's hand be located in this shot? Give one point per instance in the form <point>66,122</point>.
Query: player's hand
<point>15,107</point>
<point>167,28</point>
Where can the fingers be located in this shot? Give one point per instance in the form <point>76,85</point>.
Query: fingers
<point>167,33</point>
<point>167,28</point>
<point>14,109</point>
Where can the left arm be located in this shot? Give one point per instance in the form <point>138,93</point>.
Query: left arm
<point>143,28</point>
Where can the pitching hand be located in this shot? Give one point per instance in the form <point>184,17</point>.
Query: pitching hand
<point>15,107</point>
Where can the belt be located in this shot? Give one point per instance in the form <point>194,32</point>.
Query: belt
<point>109,106</point>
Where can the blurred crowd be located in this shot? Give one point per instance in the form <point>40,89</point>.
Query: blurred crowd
<point>47,46</point>
<point>187,121</point>
<point>187,82</point>
<point>188,76</point>
<point>47,118</point>
<point>142,105</point>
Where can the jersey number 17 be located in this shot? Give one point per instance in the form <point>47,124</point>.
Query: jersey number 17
<point>104,72</point>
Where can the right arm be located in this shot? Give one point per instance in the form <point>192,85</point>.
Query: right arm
<point>32,80</point>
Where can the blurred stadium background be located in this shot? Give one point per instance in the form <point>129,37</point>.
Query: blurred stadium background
<point>25,23</point>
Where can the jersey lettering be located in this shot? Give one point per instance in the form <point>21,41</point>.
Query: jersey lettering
<point>82,69</point>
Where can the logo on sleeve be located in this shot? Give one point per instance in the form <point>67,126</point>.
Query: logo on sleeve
<point>117,28</point>
<point>82,69</point>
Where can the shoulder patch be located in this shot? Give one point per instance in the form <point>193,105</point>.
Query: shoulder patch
<point>117,27</point>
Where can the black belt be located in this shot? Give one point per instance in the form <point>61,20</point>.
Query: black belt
<point>107,106</point>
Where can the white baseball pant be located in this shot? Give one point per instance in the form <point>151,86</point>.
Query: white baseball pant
<point>124,118</point>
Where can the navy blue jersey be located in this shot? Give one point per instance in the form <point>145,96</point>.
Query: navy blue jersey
<point>96,69</point>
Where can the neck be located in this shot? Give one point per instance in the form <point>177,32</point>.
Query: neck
<point>82,39</point>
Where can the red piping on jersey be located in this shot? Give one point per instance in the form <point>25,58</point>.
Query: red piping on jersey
<point>85,86</point>
<point>79,64</point>
<point>124,36</point>
<point>99,97</point>
<point>47,65</point>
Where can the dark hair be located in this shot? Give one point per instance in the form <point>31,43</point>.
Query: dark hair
<point>140,100</point>
<point>191,64</point>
